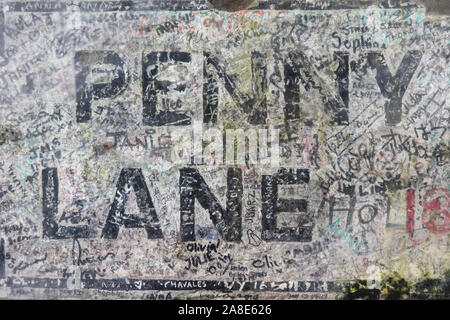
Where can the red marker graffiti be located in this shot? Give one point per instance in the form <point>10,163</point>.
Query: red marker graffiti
<point>436,217</point>
<point>410,201</point>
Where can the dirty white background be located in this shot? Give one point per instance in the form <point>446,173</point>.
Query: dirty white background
<point>98,98</point>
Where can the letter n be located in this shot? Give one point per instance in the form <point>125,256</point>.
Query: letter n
<point>132,178</point>
<point>298,69</point>
<point>272,207</point>
<point>253,104</point>
<point>228,222</point>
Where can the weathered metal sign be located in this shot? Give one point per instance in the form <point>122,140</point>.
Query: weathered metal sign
<point>167,150</point>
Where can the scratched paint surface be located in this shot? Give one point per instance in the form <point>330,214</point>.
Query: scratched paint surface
<point>115,175</point>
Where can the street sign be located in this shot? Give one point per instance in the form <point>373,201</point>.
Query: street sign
<point>170,150</point>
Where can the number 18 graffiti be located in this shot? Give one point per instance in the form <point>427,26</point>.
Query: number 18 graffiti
<point>435,217</point>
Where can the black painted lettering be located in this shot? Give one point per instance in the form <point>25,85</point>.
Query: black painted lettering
<point>393,88</point>
<point>272,206</point>
<point>254,106</point>
<point>298,70</point>
<point>132,178</point>
<point>51,228</point>
<point>92,69</point>
<point>228,222</point>
<point>168,112</point>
